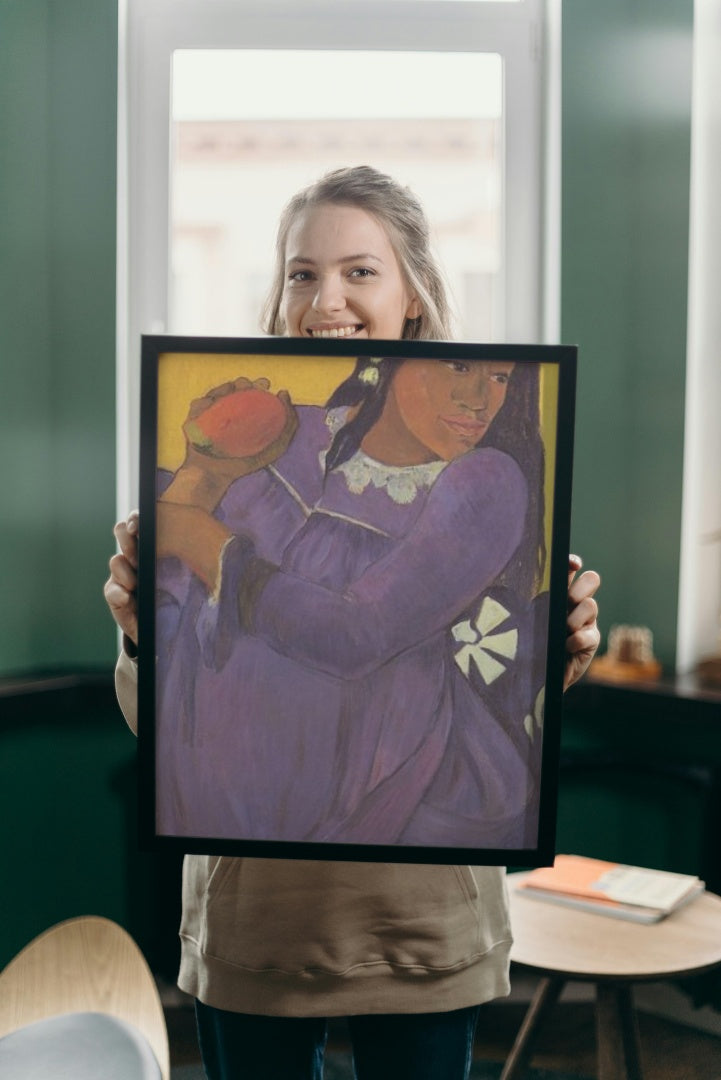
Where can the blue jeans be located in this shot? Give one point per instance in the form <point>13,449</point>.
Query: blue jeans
<point>415,1046</point>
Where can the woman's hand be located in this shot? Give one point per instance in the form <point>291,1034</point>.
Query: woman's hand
<point>121,587</point>
<point>203,478</point>
<point>583,635</point>
<point>183,531</point>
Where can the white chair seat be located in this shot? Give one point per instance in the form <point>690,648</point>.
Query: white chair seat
<point>78,1046</point>
<point>80,1001</point>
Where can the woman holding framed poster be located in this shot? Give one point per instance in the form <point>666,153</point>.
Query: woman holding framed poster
<point>382,942</point>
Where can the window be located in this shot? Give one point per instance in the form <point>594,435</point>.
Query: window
<point>235,160</point>
<point>232,104</point>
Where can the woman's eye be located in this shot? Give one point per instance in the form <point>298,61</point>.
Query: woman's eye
<point>458,366</point>
<point>361,272</point>
<point>500,377</point>
<point>300,276</point>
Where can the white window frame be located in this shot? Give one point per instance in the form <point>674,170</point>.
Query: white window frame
<point>699,598</point>
<point>526,34</point>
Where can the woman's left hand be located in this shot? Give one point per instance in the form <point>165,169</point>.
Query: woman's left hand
<point>583,636</point>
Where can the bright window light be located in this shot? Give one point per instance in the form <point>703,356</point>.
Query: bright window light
<point>238,155</point>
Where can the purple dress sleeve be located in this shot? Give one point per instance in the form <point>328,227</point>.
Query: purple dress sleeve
<point>465,535</point>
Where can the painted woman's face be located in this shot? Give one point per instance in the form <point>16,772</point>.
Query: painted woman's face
<point>342,277</point>
<point>437,409</point>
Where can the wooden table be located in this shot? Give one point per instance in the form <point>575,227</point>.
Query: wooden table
<point>563,944</point>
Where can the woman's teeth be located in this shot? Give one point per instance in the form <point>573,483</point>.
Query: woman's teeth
<point>336,332</point>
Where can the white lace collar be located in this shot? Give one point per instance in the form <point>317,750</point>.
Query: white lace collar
<point>401,482</point>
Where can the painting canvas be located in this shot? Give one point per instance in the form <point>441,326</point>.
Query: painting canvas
<point>352,595</point>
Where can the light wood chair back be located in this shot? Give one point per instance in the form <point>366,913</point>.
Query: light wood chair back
<point>87,964</point>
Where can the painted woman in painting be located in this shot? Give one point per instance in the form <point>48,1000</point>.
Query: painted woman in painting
<point>339,585</point>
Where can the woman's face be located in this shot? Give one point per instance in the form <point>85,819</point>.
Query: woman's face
<point>437,409</point>
<point>342,277</point>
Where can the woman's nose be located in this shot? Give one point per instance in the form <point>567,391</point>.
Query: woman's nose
<point>474,393</point>
<point>329,295</point>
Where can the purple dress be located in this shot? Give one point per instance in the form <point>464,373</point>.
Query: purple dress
<point>348,713</point>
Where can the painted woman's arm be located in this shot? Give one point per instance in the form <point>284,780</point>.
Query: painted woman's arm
<point>469,528</point>
<point>187,527</point>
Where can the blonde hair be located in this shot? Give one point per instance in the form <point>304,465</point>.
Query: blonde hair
<point>403,217</point>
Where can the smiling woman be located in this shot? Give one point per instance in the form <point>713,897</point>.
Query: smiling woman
<point>360,661</point>
<point>352,259</point>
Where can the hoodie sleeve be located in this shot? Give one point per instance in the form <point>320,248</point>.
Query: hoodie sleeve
<point>126,689</point>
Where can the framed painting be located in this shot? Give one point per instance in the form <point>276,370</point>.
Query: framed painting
<point>352,597</point>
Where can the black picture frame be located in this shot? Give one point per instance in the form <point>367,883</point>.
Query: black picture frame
<point>202,658</point>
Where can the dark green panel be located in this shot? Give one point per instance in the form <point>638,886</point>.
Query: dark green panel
<point>25,431</point>
<point>626,817</point>
<point>82,222</point>
<point>626,144</point>
<point>62,785</point>
<point>68,801</point>
<point>57,322</point>
<point>641,777</point>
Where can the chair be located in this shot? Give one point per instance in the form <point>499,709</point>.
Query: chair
<point>80,1001</point>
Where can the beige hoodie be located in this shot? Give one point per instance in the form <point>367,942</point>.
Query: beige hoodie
<point>285,937</point>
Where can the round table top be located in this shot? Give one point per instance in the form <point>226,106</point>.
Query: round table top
<point>559,940</point>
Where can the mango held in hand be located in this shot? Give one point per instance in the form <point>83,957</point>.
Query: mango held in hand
<point>238,425</point>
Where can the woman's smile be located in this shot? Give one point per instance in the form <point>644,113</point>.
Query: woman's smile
<point>325,331</point>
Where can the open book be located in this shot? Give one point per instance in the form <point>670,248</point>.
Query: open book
<point>608,888</point>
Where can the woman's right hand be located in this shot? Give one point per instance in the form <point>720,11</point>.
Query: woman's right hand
<point>121,587</point>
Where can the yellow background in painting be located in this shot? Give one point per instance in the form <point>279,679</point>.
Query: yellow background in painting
<point>310,380</point>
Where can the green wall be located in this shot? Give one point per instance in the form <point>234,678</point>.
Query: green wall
<point>67,761</point>
<point>58,72</point>
<point>626,136</point>
<point>626,145</point>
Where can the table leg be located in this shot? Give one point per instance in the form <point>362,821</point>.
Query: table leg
<point>545,997</point>
<point>617,1033</point>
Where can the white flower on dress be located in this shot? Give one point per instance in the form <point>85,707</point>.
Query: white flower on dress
<point>533,723</point>
<point>482,645</point>
<point>336,418</point>
<point>369,375</point>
